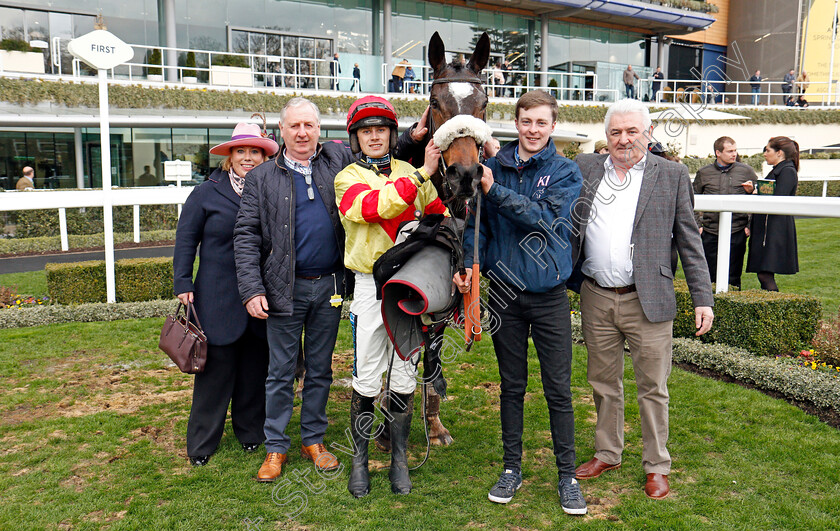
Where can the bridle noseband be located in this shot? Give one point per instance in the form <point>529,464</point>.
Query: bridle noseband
<point>430,124</point>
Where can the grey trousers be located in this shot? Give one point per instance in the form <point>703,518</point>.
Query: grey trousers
<point>318,320</point>
<point>608,320</point>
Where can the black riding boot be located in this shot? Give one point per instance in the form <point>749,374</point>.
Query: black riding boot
<point>361,420</point>
<point>401,408</point>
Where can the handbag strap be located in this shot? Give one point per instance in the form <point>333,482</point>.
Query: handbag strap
<point>191,309</point>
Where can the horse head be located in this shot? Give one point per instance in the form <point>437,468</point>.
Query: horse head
<point>457,106</point>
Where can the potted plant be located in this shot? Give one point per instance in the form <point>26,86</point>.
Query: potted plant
<point>154,57</point>
<point>17,56</point>
<point>231,70</point>
<point>189,72</point>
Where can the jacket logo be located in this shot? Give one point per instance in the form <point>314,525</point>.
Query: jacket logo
<point>543,181</point>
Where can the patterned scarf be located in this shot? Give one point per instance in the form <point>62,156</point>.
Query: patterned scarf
<point>237,182</point>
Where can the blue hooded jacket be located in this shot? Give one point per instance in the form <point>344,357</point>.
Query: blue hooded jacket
<point>526,221</point>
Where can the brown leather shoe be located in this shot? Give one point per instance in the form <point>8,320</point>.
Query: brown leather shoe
<point>593,468</point>
<point>272,467</point>
<point>657,487</point>
<point>318,454</point>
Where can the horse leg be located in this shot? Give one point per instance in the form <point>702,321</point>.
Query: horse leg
<point>300,371</point>
<point>438,434</point>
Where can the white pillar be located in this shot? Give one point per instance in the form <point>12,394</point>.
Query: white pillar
<point>107,211</point>
<point>171,41</point>
<point>387,49</point>
<point>544,51</point>
<point>62,228</point>
<point>80,161</point>
<point>724,240</point>
<point>136,223</point>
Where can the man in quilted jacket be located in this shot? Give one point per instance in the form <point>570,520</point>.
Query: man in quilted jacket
<point>288,244</point>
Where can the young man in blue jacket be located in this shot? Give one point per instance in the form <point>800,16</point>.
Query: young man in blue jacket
<point>528,191</point>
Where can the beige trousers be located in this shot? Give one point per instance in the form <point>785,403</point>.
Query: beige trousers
<point>608,320</point>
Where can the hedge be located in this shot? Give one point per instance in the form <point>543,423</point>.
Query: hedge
<point>793,381</point>
<point>34,223</point>
<point>75,241</point>
<point>762,322</point>
<point>137,279</point>
<point>84,313</point>
<point>29,92</point>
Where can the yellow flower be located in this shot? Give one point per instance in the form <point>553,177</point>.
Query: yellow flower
<point>814,365</point>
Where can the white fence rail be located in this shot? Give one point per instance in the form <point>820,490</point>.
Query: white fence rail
<point>61,200</point>
<point>725,204</point>
<point>819,207</point>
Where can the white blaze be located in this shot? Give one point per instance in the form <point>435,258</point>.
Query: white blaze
<point>460,91</point>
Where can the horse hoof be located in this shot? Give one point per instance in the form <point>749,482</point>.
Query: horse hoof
<point>442,439</point>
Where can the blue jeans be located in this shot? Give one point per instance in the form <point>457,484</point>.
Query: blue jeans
<point>314,314</point>
<point>755,91</point>
<point>546,316</point>
<point>630,91</point>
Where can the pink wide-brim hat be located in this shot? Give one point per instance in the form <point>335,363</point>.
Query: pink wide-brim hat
<point>246,135</point>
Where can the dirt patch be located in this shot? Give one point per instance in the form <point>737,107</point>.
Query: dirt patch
<point>163,437</point>
<point>827,415</point>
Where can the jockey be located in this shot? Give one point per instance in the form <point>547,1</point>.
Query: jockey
<point>375,195</point>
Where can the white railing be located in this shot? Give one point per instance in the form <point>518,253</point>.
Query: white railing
<point>753,204</point>
<point>739,92</point>
<point>61,200</point>
<point>569,86</point>
<point>263,70</point>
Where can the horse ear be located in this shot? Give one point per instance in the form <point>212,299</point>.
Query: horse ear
<point>437,53</point>
<point>481,54</point>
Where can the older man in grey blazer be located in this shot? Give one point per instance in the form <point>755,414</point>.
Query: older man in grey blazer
<point>630,206</point>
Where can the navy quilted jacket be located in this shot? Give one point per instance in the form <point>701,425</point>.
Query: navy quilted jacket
<point>264,236</point>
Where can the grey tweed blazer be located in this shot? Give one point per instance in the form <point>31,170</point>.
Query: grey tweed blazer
<point>665,208</point>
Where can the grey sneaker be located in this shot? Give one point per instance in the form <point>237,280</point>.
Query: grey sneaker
<point>504,489</point>
<point>571,498</point>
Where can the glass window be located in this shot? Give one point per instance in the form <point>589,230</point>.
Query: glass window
<point>191,145</point>
<point>151,147</point>
<point>11,23</point>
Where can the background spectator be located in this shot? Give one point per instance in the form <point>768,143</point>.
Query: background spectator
<point>629,82</point>
<point>787,86</point>
<point>27,182</point>
<point>755,86</point>
<point>408,84</point>
<point>725,176</point>
<point>658,76</point>
<point>335,70</point>
<point>357,77</point>
<point>601,147</point>
<point>773,237</point>
<point>803,80</point>
<point>397,76</point>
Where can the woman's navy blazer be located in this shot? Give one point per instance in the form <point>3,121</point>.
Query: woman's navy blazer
<point>207,218</point>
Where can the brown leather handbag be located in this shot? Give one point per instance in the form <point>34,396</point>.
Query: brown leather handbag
<point>184,341</point>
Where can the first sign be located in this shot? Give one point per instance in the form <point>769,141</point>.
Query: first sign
<point>100,49</point>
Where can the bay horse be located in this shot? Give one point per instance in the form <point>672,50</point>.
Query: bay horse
<point>455,120</point>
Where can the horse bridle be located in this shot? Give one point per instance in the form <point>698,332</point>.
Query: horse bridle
<point>430,123</point>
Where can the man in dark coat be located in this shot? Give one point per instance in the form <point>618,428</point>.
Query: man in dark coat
<point>335,70</point>
<point>725,176</point>
<point>289,243</point>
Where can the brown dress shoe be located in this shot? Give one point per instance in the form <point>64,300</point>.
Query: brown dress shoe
<point>656,486</point>
<point>272,467</point>
<point>318,454</point>
<point>593,468</point>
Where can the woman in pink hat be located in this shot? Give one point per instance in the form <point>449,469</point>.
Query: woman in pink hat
<point>237,354</point>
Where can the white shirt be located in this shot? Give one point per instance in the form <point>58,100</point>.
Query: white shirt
<point>607,246</point>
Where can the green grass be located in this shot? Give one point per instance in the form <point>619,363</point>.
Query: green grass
<point>33,283</point>
<point>92,433</point>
